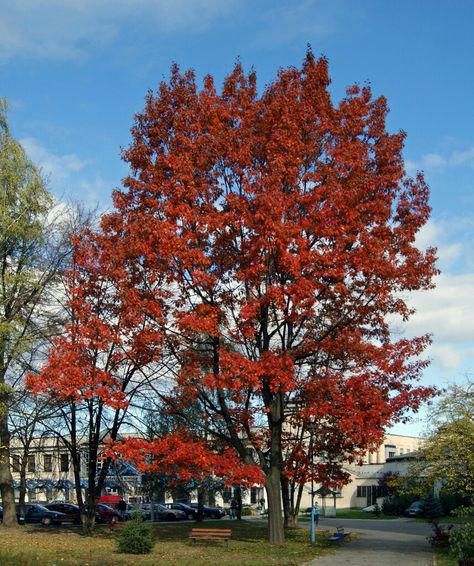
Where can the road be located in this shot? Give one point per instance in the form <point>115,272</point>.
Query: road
<point>379,543</point>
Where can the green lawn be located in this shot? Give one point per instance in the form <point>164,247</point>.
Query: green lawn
<point>354,514</point>
<point>30,545</point>
<point>443,558</point>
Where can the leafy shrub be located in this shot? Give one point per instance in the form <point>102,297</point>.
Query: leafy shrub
<point>440,536</point>
<point>136,537</point>
<point>246,511</point>
<point>396,504</point>
<point>433,508</point>
<point>452,501</point>
<point>461,542</point>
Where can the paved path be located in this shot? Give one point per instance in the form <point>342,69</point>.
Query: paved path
<point>397,542</point>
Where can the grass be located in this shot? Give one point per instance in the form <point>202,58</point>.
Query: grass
<point>354,514</point>
<point>67,546</point>
<point>443,558</point>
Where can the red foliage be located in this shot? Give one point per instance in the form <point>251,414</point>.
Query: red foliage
<point>271,238</point>
<point>109,337</point>
<point>183,458</point>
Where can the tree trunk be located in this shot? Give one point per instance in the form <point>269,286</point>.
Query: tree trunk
<point>201,495</point>
<point>276,533</point>
<point>88,519</point>
<point>6,479</point>
<point>21,500</point>
<point>290,518</point>
<point>238,497</point>
<point>211,498</point>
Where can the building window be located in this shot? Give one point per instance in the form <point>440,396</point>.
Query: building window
<point>64,462</point>
<point>227,494</point>
<point>253,495</point>
<point>16,463</point>
<point>48,463</point>
<point>361,491</point>
<point>391,454</point>
<point>31,463</point>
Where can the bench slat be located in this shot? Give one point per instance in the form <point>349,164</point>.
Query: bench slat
<point>210,534</point>
<point>226,531</point>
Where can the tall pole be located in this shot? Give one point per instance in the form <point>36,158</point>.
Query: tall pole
<point>313,530</point>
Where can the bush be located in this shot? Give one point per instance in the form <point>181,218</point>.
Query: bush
<point>136,537</point>
<point>246,511</point>
<point>396,504</point>
<point>461,543</point>
<point>433,508</point>
<point>452,501</point>
<point>440,536</point>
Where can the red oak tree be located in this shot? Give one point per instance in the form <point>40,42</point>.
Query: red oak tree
<point>275,234</point>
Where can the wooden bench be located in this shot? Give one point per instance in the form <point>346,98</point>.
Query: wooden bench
<point>210,534</point>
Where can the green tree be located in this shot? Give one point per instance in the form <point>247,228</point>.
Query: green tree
<point>32,252</point>
<point>446,460</point>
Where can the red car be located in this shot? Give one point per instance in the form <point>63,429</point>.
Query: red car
<point>107,514</point>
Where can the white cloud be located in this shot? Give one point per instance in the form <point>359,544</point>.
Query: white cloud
<point>67,175</point>
<point>55,167</point>
<point>438,160</point>
<point>67,29</point>
<point>447,311</point>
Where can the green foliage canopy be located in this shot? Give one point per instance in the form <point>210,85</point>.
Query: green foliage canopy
<point>24,205</point>
<point>446,460</point>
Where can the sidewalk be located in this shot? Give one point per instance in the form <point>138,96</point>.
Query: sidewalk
<point>380,548</point>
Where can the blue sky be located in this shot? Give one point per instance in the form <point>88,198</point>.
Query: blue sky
<point>75,72</point>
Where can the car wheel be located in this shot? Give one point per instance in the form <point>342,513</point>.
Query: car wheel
<point>170,517</point>
<point>215,516</point>
<point>46,521</point>
<point>190,516</point>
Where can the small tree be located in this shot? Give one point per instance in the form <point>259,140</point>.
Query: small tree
<point>34,249</point>
<point>433,509</point>
<point>446,459</point>
<point>136,537</point>
<point>97,366</point>
<point>388,483</point>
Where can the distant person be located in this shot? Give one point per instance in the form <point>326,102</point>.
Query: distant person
<point>233,509</point>
<point>121,508</point>
<point>316,513</point>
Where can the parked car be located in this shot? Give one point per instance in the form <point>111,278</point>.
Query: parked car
<point>35,513</point>
<point>189,511</point>
<point>72,512</point>
<point>131,510</point>
<point>164,513</point>
<point>415,510</point>
<point>107,515</point>
<point>209,512</point>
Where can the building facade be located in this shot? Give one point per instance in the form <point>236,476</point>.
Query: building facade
<point>49,476</point>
